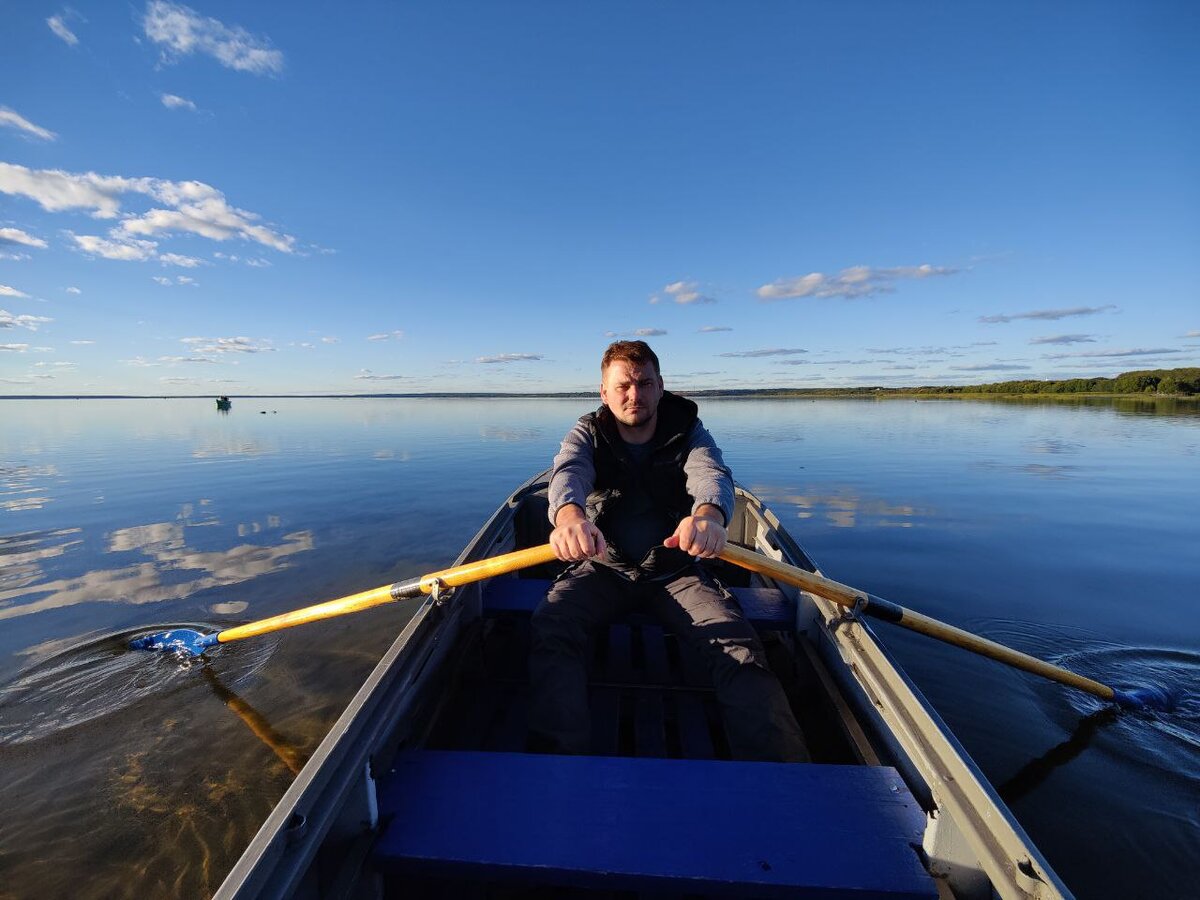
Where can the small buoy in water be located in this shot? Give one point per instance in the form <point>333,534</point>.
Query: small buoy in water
<point>262,412</point>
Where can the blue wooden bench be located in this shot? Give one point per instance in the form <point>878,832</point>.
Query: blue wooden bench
<point>765,608</point>
<point>699,826</point>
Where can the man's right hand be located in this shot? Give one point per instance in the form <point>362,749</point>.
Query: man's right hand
<point>574,538</point>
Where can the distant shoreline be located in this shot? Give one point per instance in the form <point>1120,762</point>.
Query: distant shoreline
<point>1168,383</point>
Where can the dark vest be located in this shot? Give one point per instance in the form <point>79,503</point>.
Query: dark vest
<point>648,498</point>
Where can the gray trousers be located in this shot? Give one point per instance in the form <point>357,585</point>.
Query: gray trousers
<point>693,606</point>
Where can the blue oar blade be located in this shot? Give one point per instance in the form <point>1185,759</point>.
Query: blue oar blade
<point>1150,696</point>
<point>179,640</point>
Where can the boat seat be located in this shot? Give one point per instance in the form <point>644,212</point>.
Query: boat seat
<point>700,827</point>
<point>765,608</point>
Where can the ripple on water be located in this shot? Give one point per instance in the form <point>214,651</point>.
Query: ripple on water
<point>1167,740</point>
<point>102,676</point>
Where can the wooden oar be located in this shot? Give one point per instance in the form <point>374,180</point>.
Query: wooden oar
<point>195,642</point>
<point>1151,696</point>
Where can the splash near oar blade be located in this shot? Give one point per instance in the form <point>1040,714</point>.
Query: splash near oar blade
<point>179,640</point>
<point>194,643</point>
<point>1150,696</point>
<point>1145,697</point>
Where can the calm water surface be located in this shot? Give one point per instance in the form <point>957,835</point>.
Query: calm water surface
<point>1066,530</point>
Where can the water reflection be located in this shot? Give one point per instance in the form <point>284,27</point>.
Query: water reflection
<point>1055,445</point>
<point>844,508</point>
<point>1174,407</point>
<point>509,434</point>
<point>21,554</point>
<point>1038,770</point>
<point>256,722</point>
<point>1040,470</point>
<point>217,446</point>
<point>165,544</point>
<point>19,488</point>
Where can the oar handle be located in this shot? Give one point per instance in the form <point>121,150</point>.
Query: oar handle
<point>844,595</point>
<point>401,590</point>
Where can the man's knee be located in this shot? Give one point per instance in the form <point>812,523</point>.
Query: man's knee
<point>556,625</point>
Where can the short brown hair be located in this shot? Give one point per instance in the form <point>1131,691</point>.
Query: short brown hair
<point>635,352</point>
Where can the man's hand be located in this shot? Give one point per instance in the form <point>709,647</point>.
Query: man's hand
<point>700,535</point>
<point>574,538</point>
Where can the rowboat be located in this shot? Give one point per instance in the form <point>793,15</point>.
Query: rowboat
<point>423,787</point>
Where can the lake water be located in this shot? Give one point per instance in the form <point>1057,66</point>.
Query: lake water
<point>1068,530</point>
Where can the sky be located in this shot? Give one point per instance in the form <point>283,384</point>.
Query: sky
<point>239,198</point>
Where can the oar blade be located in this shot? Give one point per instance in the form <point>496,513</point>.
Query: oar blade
<point>1149,696</point>
<point>178,640</point>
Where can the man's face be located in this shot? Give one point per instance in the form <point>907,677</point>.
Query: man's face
<point>631,392</point>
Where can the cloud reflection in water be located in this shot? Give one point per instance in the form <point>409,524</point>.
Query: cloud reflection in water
<point>163,577</point>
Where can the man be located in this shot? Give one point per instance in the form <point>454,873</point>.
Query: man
<point>641,468</point>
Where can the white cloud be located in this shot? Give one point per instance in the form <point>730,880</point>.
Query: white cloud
<point>174,101</point>
<point>387,336</point>
<point>1114,354</point>
<point>60,28</point>
<point>6,291</point>
<point>193,206</point>
<point>175,259</point>
<point>856,281</point>
<point>228,345</point>
<point>1049,315</point>
<point>331,340</point>
<point>55,190</point>
<point>10,320</point>
<point>13,348</point>
<point>161,279</point>
<point>990,367</point>
<point>368,375</point>
<point>756,354</point>
<point>13,119</point>
<point>206,212</point>
<point>94,245</point>
<point>685,292</point>
<point>185,279</point>
<point>710,329</point>
<point>181,31</point>
<point>509,358</point>
<point>82,342</point>
<point>1064,339</point>
<point>637,332</point>
<point>1192,334</point>
<point>17,236</point>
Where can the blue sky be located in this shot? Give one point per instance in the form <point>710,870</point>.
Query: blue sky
<point>298,197</point>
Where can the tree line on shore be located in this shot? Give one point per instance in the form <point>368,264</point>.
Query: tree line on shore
<point>1160,382</point>
<point>1185,382</point>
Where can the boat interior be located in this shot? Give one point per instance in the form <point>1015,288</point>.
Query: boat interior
<point>577,827</point>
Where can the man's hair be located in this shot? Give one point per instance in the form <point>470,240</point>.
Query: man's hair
<point>634,352</point>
